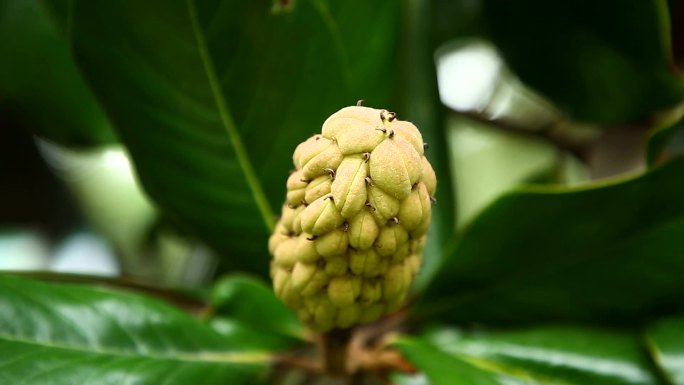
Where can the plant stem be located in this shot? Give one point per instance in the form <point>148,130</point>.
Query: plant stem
<point>298,362</point>
<point>335,346</point>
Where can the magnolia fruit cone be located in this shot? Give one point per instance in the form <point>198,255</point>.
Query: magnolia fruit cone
<point>351,235</point>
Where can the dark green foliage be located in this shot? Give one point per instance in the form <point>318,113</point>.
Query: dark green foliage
<point>601,61</point>
<point>548,285</point>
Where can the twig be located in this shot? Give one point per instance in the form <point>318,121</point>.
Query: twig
<point>550,133</point>
<point>298,362</point>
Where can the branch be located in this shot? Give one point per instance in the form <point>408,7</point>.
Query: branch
<point>303,363</point>
<point>554,133</point>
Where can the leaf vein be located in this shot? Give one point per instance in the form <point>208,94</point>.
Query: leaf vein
<point>253,357</point>
<point>228,123</point>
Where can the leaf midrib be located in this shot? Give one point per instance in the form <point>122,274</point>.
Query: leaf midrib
<point>228,122</point>
<point>655,356</point>
<point>247,357</point>
<point>516,372</point>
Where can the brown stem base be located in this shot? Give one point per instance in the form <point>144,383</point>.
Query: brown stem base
<point>335,346</point>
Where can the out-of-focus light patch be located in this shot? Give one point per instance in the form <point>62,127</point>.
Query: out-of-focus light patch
<point>225,326</point>
<point>184,259</point>
<point>75,165</point>
<point>116,160</point>
<point>467,74</point>
<point>672,360</point>
<point>472,77</point>
<point>85,253</point>
<point>471,142</point>
<point>23,250</point>
<point>487,163</point>
<point>415,379</point>
<point>106,188</point>
<point>505,101</point>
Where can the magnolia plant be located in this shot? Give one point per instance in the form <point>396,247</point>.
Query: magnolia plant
<point>551,253</point>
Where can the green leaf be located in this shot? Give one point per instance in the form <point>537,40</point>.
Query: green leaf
<point>243,334</point>
<point>212,97</point>
<point>247,304</point>
<point>599,61</point>
<point>442,368</point>
<point>69,334</point>
<point>665,340</point>
<point>566,355</point>
<point>39,80</point>
<point>550,253</point>
<point>507,160</point>
<point>420,104</point>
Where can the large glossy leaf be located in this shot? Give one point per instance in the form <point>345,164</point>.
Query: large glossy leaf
<point>665,340</point>
<point>548,355</point>
<point>39,80</point>
<point>442,368</point>
<point>245,303</point>
<point>68,334</point>
<point>420,104</point>
<point>546,253</point>
<point>600,61</point>
<point>211,98</point>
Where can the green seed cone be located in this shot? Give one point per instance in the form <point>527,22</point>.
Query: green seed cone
<point>353,227</point>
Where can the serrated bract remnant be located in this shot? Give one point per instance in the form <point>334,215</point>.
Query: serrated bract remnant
<point>351,235</point>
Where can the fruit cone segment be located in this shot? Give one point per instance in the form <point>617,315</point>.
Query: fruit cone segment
<point>351,235</point>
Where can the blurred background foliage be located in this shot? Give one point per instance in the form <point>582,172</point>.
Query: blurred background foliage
<point>151,141</point>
